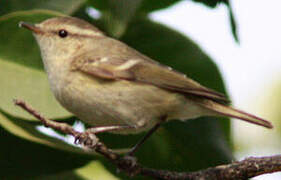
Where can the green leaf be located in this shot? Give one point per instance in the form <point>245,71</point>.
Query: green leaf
<point>92,170</point>
<point>178,146</point>
<point>175,50</point>
<point>172,48</point>
<point>64,175</point>
<point>42,156</point>
<point>30,159</point>
<point>96,170</point>
<point>21,70</point>
<point>184,146</point>
<point>144,7</point>
<point>63,6</point>
<point>211,3</point>
<point>233,24</point>
<point>27,130</point>
<point>149,6</point>
<point>116,14</point>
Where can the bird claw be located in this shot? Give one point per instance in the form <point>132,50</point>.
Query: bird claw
<point>86,139</point>
<point>78,138</point>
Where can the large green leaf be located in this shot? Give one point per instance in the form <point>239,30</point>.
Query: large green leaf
<point>21,69</point>
<point>43,157</point>
<point>195,143</point>
<point>144,7</point>
<point>148,5</point>
<point>116,14</point>
<point>172,48</point>
<point>184,146</point>
<point>96,170</point>
<point>92,170</point>
<point>63,6</point>
<point>30,159</point>
<point>27,130</point>
<point>64,175</point>
<point>213,4</point>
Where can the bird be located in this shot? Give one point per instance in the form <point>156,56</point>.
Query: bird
<point>107,84</point>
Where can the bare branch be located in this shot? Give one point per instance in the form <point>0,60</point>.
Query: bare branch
<point>239,170</point>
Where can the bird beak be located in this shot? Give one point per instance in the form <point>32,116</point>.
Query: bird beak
<point>30,27</point>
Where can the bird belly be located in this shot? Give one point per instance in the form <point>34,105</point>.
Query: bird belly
<point>106,102</point>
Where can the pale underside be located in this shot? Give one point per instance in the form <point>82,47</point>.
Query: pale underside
<point>117,85</point>
<point>129,89</point>
<point>123,103</point>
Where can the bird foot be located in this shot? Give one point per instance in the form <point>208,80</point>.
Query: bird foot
<point>86,139</point>
<point>89,139</point>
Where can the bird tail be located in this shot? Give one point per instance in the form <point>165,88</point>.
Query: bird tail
<point>224,110</point>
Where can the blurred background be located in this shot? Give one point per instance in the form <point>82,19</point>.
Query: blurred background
<point>230,46</point>
<point>251,69</point>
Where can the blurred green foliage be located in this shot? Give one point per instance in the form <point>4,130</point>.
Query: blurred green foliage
<point>181,146</point>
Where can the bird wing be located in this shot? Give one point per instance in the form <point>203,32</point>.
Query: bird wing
<point>149,72</point>
<point>141,70</point>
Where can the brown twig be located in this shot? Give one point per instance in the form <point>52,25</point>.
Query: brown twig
<point>239,170</point>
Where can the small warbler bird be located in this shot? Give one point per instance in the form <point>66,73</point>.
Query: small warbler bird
<point>106,83</point>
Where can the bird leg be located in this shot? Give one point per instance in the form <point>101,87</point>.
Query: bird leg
<point>88,137</point>
<point>83,137</point>
<point>146,136</point>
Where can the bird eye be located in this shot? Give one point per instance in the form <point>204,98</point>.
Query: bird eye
<point>63,33</point>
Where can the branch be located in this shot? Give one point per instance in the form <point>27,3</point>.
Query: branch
<point>239,170</point>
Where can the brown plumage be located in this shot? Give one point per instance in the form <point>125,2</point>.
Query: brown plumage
<point>105,82</point>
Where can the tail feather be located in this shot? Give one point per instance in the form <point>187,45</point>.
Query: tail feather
<point>225,110</point>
